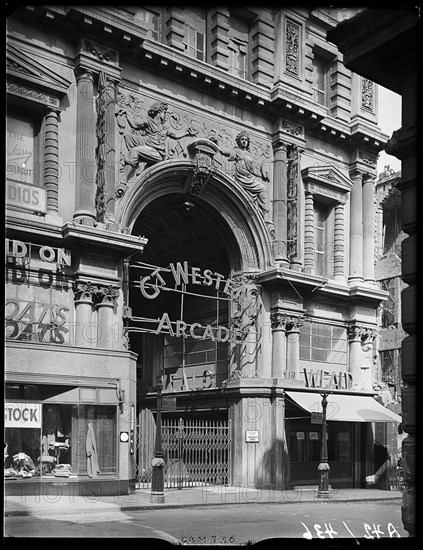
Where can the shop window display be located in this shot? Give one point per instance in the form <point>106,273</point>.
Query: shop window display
<point>62,440</point>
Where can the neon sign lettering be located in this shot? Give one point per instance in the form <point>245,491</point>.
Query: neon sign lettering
<point>183,275</point>
<point>324,379</point>
<point>197,331</point>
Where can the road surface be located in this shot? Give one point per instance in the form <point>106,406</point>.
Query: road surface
<point>224,524</point>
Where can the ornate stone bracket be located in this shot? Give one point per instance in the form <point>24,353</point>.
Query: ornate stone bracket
<point>202,151</point>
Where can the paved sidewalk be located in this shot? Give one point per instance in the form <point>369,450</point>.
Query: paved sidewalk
<point>174,498</point>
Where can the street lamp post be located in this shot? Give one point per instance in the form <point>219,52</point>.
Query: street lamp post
<point>157,480</point>
<point>324,467</point>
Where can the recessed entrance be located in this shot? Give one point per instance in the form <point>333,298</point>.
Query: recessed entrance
<point>193,239</point>
<point>190,242</point>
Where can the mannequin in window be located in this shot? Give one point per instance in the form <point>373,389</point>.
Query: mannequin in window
<point>52,427</point>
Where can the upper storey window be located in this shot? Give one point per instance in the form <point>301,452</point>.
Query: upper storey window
<point>321,80</point>
<point>150,19</point>
<point>20,141</point>
<point>323,239</point>
<point>195,43</point>
<point>195,33</point>
<point>238,45</point>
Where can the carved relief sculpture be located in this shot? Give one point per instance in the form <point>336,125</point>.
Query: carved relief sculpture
<point>101,132</point>
<point>146,137</point>
<point>292,62</point>
<point>292,201</point>
<point>247,174</point>
<point>367,94</point>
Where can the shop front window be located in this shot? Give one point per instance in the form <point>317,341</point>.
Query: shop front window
<point>59,440</point>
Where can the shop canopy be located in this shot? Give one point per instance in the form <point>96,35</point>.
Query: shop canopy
<point>347,408</point>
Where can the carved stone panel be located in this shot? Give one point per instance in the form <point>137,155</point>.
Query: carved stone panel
<point>292,48</point>
<point>147,137</point>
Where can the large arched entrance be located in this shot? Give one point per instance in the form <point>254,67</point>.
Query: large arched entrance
<point>180,297</point>
<point>190,240</point>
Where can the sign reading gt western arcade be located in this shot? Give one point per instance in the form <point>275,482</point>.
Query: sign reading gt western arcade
<point>175,278</point>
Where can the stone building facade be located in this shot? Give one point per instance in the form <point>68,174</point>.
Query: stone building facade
<point>189,203</point>
<point>372,42</point>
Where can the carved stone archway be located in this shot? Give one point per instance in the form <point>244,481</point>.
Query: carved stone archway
<point>250,248</point>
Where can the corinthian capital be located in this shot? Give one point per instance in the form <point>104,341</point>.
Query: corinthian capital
<point>107,294</point>
<point>84,290</point>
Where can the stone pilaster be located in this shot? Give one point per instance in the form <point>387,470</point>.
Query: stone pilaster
<point>278,321</point>
<point>51,160</point>
<point>280,164</point>
<point>368,229</point>
<point>356,229</point>
<point>219,27</point>
<point>309,232</point>
<point>85,149</point>
<point>338,268</point>
<point>175,27</point>
<point>262,50</point>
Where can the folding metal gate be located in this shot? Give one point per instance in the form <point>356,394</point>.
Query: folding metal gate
<point>196,452</point>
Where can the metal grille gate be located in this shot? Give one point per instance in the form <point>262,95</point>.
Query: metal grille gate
<point>196,452</point>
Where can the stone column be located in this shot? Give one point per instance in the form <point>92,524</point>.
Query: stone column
<point>84,314</point>
<point>354,339</point>
<point>293,345</point>
<point>51,160</point>
<point>368,229</point>
<point>280,164</point>
<point>85,150</point>
<point>356,230</point>
<point>278,321</point>
<point>309,232</point>
<point>338,268</point>
<point>108,330</point>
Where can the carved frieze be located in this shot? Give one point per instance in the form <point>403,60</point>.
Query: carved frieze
<point>33,95</point>
<point>151,131</point>
<point>314,188</point>
<point>12,65</point>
